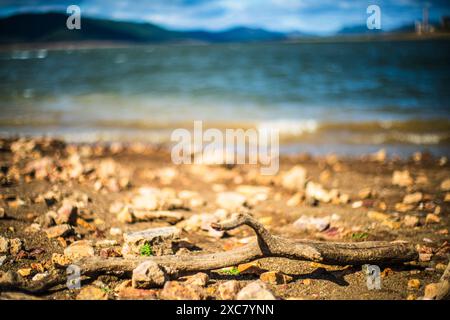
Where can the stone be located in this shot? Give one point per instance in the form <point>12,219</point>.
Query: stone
<point>447,197</point>
<point>432,218</point>
<point>230,200</point>
<point>228,290</point>
<point>317,192</point>
<point>445,185</point>
<point>15,245</point>
<point>61,230</point>
<point>39,276</point>
<point>125,215</point>
<point>2,213</point>
<point>294,179</point>
<point>115,232</point>
<point>402,207</point>
<point>174,290</point>
<point>250,268</point>
<point>4,245</point>
<point>199,279</point>
<point>273,277</point>
<point>33,228</point>
<point>295,200</point>
<point>60,260</point>
<point>413,198</point>
<point>148,275</point>
<point>256,290</point>
<point>160,240</point>
<point>414,284</point>
<point>365,193</point>
<point>79,249</point>
<point>312,224</point>
<point>431,291</point>
<point>410,221</point>
<point>2,260</point>
<point>375,215</point>
<point>24,272</point>
<point>67,214</point>
<point>130,293</point>
<point>402,178</point>
<point>92,293</point>
<point>425,257</point>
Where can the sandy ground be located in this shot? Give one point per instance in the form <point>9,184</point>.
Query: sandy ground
<point>358,200</point>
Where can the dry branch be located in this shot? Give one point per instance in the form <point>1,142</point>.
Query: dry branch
<point>267,245</point>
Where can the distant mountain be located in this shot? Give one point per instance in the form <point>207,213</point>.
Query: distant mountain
<point>51,27</point>
<point>358,29</point>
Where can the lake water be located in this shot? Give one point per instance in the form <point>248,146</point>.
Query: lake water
<point>344,97</point>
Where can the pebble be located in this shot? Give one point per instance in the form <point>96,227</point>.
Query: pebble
<point>414,284</point>
<point>130,293</point>
<point>295,200</point>
<point>199,279</point>
<point>431,291</point>
<point>250,268</point>
<point>174,290</point>
<point>312,224</point>
<point>92,293</point>
<point>4,245</point>
<point>148,275</point>
<point>317,192</point>
<point>60,260</point>
<point>160,239</point>
<point>273,277</point>
<point>294,179</point>
<point>79,249</point>
<point>24,272</point>
<point>2,213</point>
<point>39,276</point>
<point>67,214</point>
<point>125,215</point>
<point>402,178</point>
<point>115,232</point>
<point>413,198</point>
<point>61,230</point>
<point>410,221</point>
<point>230,200</point>
<point>228,290</point>
<point>445,185</point>
<point>402,207</point>
<point>2,260</point>
<point>432,218</point>
<point>15,245</point>
<point>256,290</point>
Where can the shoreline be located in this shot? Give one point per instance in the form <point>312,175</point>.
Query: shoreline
<point>106,44</point>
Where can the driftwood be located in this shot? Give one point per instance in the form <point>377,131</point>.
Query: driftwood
<point>267,245</point>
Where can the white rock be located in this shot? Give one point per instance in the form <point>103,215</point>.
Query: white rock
<point>312,224</point>
<point>316,191</point>
<point>294,179</point>
<point>4,245</point>
<point>230,200</point>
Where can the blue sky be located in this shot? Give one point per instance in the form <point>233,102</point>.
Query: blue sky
<point>314,16</point>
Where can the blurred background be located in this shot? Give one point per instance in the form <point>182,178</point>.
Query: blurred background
<point>138,69</point>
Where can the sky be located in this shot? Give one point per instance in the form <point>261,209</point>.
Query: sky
<point>311,16</point>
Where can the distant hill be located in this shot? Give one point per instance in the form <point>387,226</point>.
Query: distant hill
<point>359,29</point>
<point>51,27</point>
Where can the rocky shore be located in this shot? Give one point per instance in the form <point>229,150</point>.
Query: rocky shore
<point>63,202</point>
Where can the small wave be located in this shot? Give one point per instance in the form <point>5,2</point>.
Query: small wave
<point>290,127</point>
